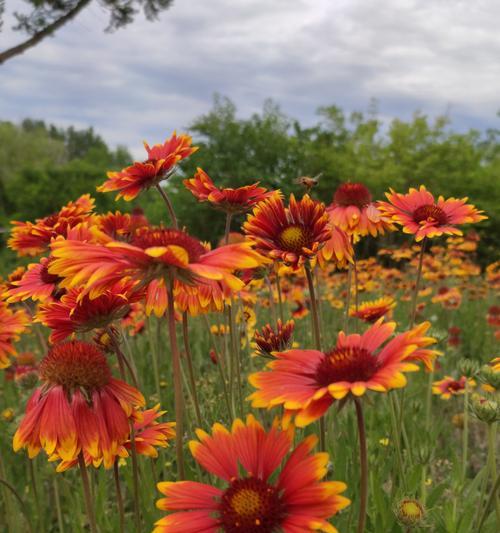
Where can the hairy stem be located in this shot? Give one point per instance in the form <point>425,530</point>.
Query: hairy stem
<point>363,457</point>
<point>168,203</point>
<point>177,378</point>
<point>189,358</point>
<point>86,494</point>
<point>119,497</point>
<point>413,311</point>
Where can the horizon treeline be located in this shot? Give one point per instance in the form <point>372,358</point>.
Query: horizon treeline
<point>42,166</point>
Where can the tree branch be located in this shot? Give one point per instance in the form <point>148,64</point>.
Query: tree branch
<point>39,36</point>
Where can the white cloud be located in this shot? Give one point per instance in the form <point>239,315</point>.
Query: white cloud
<point>150,78</point>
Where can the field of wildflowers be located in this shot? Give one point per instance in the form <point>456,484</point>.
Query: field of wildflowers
<point>281,381</point>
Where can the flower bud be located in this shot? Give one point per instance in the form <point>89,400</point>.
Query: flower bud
<point>468,367</point>
<point>487,410</point>
<point>490,377</point>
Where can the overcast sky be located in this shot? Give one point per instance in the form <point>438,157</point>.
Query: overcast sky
<point>142,82</point>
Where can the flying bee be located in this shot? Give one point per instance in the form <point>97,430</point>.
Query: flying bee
<point>308,182</point>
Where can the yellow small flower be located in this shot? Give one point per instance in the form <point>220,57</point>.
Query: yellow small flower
<point>8,414</point>
<point>384,442</point>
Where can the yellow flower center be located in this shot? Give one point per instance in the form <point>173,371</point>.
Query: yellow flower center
<point>411,509</point>
<point>246,502</point>
<point>293,239</point>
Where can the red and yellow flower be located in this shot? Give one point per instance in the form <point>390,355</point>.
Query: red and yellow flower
<point>153,254</point>
<point>421,215</point>
<point>306,382</point>
<point>292,234</point>
<point>31,239</point>
<point>149,434</point>
<point>229,200</point>
<point>160,163</point>
<point>12,325</point>
<point>257,494</point>
<point>448,386</point>
<point>76,313</point>
<point>353,211</point>
<point>373,310</point>
<point>80,407</point>
<point>211,295</point>
<point>36,283</point>
<point>121,226</point>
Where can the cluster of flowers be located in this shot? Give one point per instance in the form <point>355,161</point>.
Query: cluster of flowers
<point>97,270</point>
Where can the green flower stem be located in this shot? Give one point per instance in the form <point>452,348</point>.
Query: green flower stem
<point>317,341</point>
<point>119,497</point>
<point>170,207</point>
<point>177,378</point>
<point>363,458</point>
<point>189,359</point>
<point>465,433</point>
<point>396,437</point>
<point>86,494</point>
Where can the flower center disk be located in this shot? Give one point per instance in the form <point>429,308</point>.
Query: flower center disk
<point>293,239</point>
<point>349,364</point>
<point>76,365</point>
<point>352,194</point>
<point>430,213</point>
<point>251,506</point>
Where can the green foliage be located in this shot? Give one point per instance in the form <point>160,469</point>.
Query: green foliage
<point>43,167</point>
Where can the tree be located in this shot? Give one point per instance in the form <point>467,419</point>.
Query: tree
<point>47,16</point>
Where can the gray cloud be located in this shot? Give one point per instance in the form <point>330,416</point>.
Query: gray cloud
<point>150,78</point>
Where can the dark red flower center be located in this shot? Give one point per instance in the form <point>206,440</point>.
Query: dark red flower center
<point>430,213</point>
<point>251,506</point>
<point>454,386</point>
<point>349,364</point>
<point>74,365</point>
<point>166,237</point>
<point>352,194</point>
<point>294,238</point>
